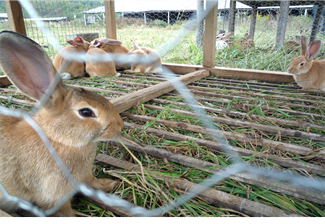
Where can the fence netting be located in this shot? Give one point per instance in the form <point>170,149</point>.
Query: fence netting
<point>169,32</point>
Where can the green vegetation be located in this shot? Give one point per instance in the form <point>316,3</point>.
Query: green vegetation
<point>280,102</point>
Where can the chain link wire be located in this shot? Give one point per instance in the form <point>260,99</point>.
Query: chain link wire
<point>110,199</point>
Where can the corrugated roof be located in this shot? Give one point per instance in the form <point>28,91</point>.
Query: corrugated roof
<point>160,5</point>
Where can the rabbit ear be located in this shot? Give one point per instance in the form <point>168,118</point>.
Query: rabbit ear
<point>135,47</point>
<point>26,64</point>
<point>298,39</point>
<point>113,42</point>
<point>304,46</point>
<point>98,44</point>
<point>76,41</point>
<point>314,48</point>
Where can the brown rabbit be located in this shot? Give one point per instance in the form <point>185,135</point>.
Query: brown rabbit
<point>116,47</point>
<point>106,68</point>
<point>307,73</point>
<point>72,119</point>
<point>145,53</point>
<point>74,69</point>
<point>246,43</point>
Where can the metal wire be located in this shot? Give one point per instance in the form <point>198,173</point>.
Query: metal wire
<point>111,199</point>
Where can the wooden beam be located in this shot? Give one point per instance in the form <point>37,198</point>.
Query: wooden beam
<point>4,81</point>
<point>236,73</point>
<point>4,214</point>
<point>110,19</point>
<point>317,20</point>
<point>127,101</point>
<point>253,22</point>
<point>15,17</point>
<point>282,23</point>
<point>209,47</point>
<point>232,13</point>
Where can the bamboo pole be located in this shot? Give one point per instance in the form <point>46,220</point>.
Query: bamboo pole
<point>260,127</point>
<point>213,196</point>
<point>244,139</point>
<point>245,115</point>
<point>264,182</point>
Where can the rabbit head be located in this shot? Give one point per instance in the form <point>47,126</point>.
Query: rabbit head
<point>79,43</point>
<point>303,63</point>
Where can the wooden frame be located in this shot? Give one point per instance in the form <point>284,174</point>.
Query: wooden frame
<point>15,17</point>
<point>110,19</point>
<point>209,48</point>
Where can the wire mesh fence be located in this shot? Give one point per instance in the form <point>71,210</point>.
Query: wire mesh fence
<point>161,26</point>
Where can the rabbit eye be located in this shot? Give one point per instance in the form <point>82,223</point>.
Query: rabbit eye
<point>86,112</point>
<point>302,63</point>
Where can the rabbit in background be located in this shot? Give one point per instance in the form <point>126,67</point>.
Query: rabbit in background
<point>106,68</point>
<point>73,120</point>
<point>308,74</point>
<point>75,68</point>
<point>115,47</point>
<point>145,53</point>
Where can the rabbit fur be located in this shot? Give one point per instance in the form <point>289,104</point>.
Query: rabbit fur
<point>148,54</point>
<point>106,68</point>
<point>308,74</point>
<point>115,47</point>
<point>73,120</point>
<point>75,68</point>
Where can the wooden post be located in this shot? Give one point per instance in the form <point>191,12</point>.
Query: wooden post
<point>318,16</point>
<point>232,13</point>
<point>282,23</point>
<point>253,22</point>
<point>110,19</point>
<point>15,17</point>
<point>209,46</point>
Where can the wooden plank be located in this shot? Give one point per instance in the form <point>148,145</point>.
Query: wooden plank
<point>282,23</point>
<point>4,214</point>
<point>110,19</point>
<point>236,73</point>
<point>127,101</point>
<point>4,81</point>
<point>15,17</point>
<point>232,13</point>
<point>215,197</point>
<point>209,47</point>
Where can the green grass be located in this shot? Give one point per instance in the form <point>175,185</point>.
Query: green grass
<point>145,191</point>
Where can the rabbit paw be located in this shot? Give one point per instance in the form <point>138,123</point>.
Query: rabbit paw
<point>105,184</point>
